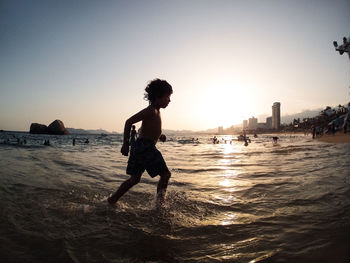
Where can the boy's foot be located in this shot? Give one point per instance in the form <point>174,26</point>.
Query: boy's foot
<point>159,202</point>
<point>110,201</point>
<point>159,207</point>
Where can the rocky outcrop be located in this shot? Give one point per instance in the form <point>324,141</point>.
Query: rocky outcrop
<point>56,128</point>
<point>37,128</point>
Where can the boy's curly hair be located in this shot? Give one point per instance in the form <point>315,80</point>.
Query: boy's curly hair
<point>157,88</point>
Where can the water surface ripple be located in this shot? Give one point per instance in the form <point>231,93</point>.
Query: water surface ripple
<point>225,203</point>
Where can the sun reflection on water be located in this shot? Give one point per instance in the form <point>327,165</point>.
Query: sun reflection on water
<point>229,219</point>
<point>229,182</point>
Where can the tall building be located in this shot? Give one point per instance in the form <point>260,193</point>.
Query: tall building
<point>269,122</point>
<point>220,130</point>
<point>253,123</point>
<point>276,115</point>
<point>245,124</point>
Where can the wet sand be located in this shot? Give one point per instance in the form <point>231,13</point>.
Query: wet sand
<point>337,138</point>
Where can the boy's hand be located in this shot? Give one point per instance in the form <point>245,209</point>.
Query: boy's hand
<point>125,149</point>
<point>162,138</point>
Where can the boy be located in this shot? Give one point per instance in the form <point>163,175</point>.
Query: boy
<point>144,154</point>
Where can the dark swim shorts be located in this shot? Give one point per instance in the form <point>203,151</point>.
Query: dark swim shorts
<point>145,156</point>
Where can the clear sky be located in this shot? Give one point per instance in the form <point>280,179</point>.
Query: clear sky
<point>87,62</point>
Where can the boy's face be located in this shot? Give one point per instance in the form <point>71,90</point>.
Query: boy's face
<point>164,101</point>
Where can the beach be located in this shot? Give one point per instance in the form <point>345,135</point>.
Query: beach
<point>336,138</point>
<point>284,202</point>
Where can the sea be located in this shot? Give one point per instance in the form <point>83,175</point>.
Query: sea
<point>265,202</point>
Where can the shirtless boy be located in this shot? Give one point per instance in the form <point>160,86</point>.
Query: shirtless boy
<point>144,155</point>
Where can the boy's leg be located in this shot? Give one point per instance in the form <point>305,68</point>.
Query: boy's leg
<point>162,186</point>
<point>123,188</point>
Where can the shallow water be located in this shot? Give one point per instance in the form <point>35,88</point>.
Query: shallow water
<point>288,202</point>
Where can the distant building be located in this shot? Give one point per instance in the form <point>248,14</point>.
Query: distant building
<point>253,123</point>
<point>230,130</point>
<point>261,125</point>
<point>269,123</point>
<point>220,130</point>
<point>245,124</point>
<point>276,115</point>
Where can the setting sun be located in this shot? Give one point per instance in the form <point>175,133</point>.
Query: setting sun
<point>225,103</point>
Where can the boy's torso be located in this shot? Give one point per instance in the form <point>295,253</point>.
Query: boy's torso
<point>151,127</point>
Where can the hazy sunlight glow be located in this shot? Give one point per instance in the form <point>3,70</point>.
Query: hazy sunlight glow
<point>226,103</point>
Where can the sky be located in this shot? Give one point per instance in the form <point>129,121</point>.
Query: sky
<point>87,62</point>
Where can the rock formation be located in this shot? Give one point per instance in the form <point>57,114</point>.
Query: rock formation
<point>56,128</point>
<point>37,128</point>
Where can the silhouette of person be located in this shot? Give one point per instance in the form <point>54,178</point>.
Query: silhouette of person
<point>133,135</point>
<point>245,138</point>
<point>346,122</point>
<point>144,155</point>
<point>313,132</point>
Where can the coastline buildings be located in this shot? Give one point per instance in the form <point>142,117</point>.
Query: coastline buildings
<point>261,126</point>
<point>253,123</point>
<point>276,115</point>
<point>220,130</point>
<point>245,124</point>
<point>269,123</point>
<point>272,123</point>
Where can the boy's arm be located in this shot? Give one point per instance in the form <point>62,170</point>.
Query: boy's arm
<point>145,113</point>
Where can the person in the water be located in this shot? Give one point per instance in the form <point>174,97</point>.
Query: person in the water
<point>133,135</point>
<point>144,155</point>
